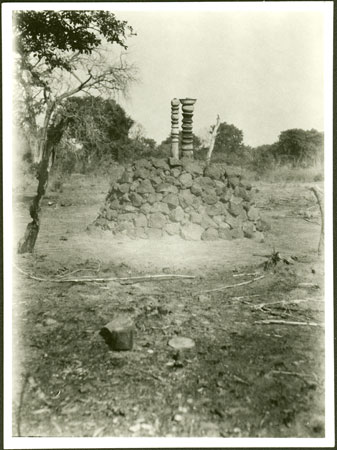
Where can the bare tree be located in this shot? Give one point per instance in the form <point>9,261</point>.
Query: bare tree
<point>48,74</point>
<point>213,132</point>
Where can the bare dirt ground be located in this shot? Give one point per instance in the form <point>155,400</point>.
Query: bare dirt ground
<point>244,377</point>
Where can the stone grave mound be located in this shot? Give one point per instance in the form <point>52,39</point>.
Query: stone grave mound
<point>154,198</point>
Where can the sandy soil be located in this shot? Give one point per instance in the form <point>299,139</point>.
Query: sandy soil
<point>243,378</point>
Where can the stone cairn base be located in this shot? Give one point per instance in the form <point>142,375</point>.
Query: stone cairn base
<point>154,198</point>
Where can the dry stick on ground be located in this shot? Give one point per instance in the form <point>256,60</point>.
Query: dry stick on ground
<point>80,270</point>
<point>294,374</point>
<point>245,274</point>
<point>285,322</point>
<point>319,197</point>
<point>285,302</point>
<point>102,280</point>
<point>232,285</point>
<point>22,394</point>
<point>240,380</point>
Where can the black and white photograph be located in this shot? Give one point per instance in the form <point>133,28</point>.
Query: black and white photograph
<point>167,179</point>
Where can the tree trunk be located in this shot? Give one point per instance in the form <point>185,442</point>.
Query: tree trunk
<point>51,137</point>
<point>212,142</point>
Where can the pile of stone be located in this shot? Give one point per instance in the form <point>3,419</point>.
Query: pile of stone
<point>154,198</point>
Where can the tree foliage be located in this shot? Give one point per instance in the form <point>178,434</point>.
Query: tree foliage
<point>295,147</point>
<point>98,126</point>
<point>54,36</point>
<point>229,143</point>
<point>62,54</point>
<point>300,147</point>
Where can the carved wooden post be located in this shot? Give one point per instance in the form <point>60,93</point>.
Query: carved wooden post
<point>175,128</point>
<point>187,126</point>
<point>320,200</point>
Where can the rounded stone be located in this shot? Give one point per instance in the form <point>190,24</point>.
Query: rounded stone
<point>211,234</point>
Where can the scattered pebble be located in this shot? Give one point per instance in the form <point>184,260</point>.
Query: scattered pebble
<point>178,418</point>
<point>203,298</point>
<point>49,321</point>
<point>183,409</point>
<point>135,428</point>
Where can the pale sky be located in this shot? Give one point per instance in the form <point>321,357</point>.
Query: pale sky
<point>262,71</point>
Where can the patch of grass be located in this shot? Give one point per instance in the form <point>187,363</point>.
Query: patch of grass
<point>290,174</point>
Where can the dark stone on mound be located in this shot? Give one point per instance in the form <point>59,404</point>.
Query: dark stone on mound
<point>173,162</point>
<point>196,218</point>
<point>160,207</point>
<point>140,163</point>
<point>145,208</point>
<point>157,220</point>
<point>144,187</point>
<point>186,198</point>
<point>233,181</point>
<point>172,228</point>
<point>166,188</point>
<point>176,172</point>
<point>126,177</point>
<point>151,198</point>
<point>111,214</point>
<point>262,225</point>
<point>124,188</point>
<point>114,204</point>
<point>211,234</point>
<point>205,182</point>
<point>235,209</point>
<point>213,172</point>
<point>246,185</point>
<point>140,221</point>
<point>241,192</point>
<point>209,197</point>
<point>186,180</point>
<point>191,232</point>
<point>225,234</point>
<point>193,167</point>
<point>216,209</point>
<point>160,164</point>
<point>136,199</point>
<point>253,214</point>
<point>196,189</point>
<point>237,233</point>
<point>208,222</point>
<point>248,229</point>
<point>172,200</point>
<point>142,172</point>
<point>177,214</point>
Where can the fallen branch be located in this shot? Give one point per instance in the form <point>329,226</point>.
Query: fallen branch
<point>245,296</point>
<point>308,285</point>
<point>284,322</point>
<point>64,275</point>
<point>245,274</point>
<point>159,277</point>
<point>320,200</point>
<point>284,302</point>
<point>294,374</point>
<point>240,380</point>
<point>232,285</point>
